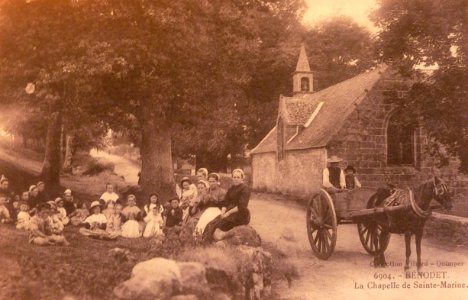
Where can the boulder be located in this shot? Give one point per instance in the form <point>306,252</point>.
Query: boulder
<point>157,278</point>
<point>243,235</point>
<point>251,277</point>
<point>193,278</point>
<point>257,272</point>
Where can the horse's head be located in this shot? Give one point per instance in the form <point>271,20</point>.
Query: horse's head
<point>441,194</point>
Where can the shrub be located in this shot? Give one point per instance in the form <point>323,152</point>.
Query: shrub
<point>95,167</point>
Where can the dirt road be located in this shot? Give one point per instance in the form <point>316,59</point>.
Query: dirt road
<point>350,266</point>
<point>122,166</point>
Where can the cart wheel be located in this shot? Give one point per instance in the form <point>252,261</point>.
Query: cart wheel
<point>372,237</point>
<point>321,224</point>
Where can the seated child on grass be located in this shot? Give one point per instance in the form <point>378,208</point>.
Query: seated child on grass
<point>154,222</point>
<point>4,212</point>
<point>40,232</point>
<point>62,212</point>
<point>16,205</point>
<point>173,216</point>
<point>54,218</point>
<point>133,214</point>
<point>96,224</point>
<point>96,220</point>
<point>80,214</point>
<point>115,220</point>
<point>109,209</point>
<point>23,219</point>
<point>153,201</point>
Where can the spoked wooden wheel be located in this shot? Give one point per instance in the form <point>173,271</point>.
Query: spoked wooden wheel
<point>372,236</point>
<point>321,224</point>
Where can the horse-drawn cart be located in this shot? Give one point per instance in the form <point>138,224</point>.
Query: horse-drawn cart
<point>377,215</point>
<point>325,212</point>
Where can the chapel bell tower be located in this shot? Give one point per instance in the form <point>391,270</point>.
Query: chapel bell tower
<point>303,78</point>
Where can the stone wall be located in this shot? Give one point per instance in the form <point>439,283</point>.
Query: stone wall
<point>458,184</point>
<point>361,142</point>
<point>299,173</point>
<point>264,172</point>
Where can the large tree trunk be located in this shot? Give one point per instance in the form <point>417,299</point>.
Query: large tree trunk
<point>68,157</point>
<point>157,174</point>
<point>51,167</point>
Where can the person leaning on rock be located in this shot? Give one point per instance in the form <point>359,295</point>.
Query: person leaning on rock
<point>234,211</point>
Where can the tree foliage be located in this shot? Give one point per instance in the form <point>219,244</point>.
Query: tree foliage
<point>162,63</point>
<point>339,49</point>
<point>432,34</point>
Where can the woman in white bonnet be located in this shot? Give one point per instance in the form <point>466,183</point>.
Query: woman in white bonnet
<point>69,203</point>
<point>234,211</point>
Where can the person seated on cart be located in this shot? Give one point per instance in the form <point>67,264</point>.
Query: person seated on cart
<point>352,182</point>
<point>333,176</point>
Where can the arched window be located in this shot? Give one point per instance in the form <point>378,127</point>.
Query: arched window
<point>305,84</point>
<point>400,142</point>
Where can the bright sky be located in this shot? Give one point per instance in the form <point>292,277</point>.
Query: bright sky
<point>356,9</point>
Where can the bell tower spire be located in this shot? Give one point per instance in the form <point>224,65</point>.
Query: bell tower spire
<point>303,78</point>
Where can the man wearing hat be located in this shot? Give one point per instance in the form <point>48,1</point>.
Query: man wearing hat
<point>333,176</point>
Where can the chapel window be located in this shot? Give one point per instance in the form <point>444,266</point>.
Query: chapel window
<point>305,84</point>
<point>400,142</point>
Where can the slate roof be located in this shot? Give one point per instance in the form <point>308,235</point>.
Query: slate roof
<point>297,110</point>
<point>339,101</point>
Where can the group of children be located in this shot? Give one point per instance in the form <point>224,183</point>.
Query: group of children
<point>110,219</point>
<point>106,218</point>
<point>111,216</point>
<point>44,220</point>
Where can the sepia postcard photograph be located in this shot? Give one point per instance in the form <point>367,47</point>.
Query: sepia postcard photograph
<point>233,149</point>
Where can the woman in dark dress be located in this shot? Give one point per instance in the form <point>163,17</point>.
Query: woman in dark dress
<point>41,193</point>
<point>33,201</point>
<point>234,211</point>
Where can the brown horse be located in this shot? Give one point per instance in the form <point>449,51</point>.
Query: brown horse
<point>410,220</point>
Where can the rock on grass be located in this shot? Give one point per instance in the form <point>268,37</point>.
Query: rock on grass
<point>161,278</point>
<point>193,278</point>
<point>157,278</point>
<point>243,235</point>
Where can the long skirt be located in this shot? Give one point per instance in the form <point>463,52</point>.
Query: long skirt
<point>153,228</point>
<point>208,215</point>
<point>24,225</point>
<point>131,229</point>
<point>98,234</point>
<point>77,220</point>
<point>226,224</point>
